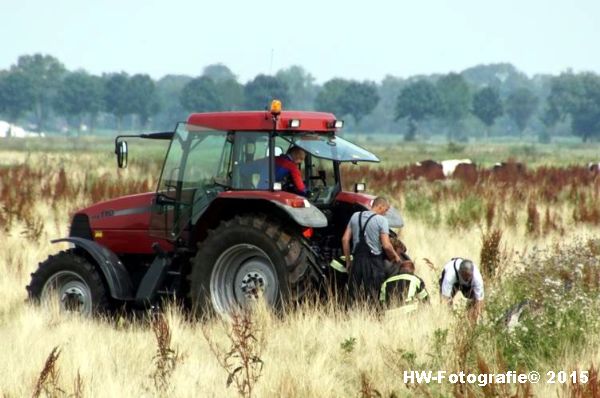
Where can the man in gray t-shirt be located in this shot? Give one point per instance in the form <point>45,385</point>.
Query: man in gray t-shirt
<point>369,231</point>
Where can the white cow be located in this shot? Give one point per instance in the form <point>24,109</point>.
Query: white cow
<point>448,166</point>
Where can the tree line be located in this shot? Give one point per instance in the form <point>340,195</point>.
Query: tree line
<point>482,101</point>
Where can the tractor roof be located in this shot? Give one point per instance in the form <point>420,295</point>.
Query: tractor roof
<point>263,121</point>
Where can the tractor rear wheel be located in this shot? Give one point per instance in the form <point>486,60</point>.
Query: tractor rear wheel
<point>246,258</point>
<point>72,282</point>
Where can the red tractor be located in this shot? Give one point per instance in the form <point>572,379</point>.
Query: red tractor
<point>220,230</point>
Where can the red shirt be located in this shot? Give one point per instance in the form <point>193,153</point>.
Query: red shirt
<point>284,166</point>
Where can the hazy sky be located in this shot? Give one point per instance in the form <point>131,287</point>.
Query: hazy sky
<point>352,39</point>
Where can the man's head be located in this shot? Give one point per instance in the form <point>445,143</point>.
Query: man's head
<point>465,271</point>
<point>380,205</point>
<point>297,154</point>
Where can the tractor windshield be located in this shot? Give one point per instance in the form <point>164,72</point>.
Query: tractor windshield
<point>331,147</point>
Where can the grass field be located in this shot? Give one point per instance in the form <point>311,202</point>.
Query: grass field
<point>547,220</point>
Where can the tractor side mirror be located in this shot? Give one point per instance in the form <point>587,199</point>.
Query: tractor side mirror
<point>121,152</point>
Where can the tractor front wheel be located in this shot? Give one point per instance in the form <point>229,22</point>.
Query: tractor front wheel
<point>70,281</point>
<point>247,258</point>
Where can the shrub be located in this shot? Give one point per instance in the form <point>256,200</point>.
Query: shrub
<point>469,211</point>
<point>558,293</point>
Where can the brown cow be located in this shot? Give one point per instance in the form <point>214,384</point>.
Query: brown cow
<point>427,169</point>
<point>466,172</point>
<point>508,171</point>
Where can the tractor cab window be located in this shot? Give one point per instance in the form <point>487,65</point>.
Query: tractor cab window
<point>323,179</point>
<point>332,147</point>
<point>195,160</point>
<point>194,172</point>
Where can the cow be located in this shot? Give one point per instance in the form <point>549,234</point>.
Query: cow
<point>449,166</point>
<point>594,167</point>
<point>508,171</point>
<point>428,169</point>
<point>510,166</point>
<point>466,172</point>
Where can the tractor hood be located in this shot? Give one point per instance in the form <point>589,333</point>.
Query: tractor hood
<point>122,224</point>
<point>126,212</point>
<point>393,216</point>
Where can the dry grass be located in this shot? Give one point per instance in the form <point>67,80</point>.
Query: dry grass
<point>305,353</point>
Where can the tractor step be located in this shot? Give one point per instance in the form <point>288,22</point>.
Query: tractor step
<point>152,280</point>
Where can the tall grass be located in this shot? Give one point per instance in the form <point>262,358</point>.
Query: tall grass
<point>318,349</point>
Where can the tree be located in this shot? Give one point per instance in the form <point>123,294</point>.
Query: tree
<point>383,117</point>
<point>168,92</point>
<point>577,96</point>
<point>263,89</point>
<point>455,97</point>
<point>520,106</point>
<point>359,99</point>
<point>45,73</point>
<point>80,94</point>
<point>301,85</point>
<point>503,76</point>
<point>218,73</point>
<point>144,101</point>
<point>417,101</point>
<point>200,95</point>
<point>487,106</point>
<point>116,96</point>
<point>231,93</point>
<point>330,97</point>
<point>16,94</point>
<point>346,97</point>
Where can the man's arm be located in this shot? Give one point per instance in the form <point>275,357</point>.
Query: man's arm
<point>448,281</point>
<point>388,248</point>
<point>346,246</point>
<point>476,310</point>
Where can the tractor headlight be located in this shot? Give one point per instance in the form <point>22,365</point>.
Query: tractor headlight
<point>336,124</point>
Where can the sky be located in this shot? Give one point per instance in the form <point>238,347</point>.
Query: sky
<point>363,40</point>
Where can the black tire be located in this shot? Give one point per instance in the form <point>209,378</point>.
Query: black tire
<point>74,281</point>
<point>246,251</point>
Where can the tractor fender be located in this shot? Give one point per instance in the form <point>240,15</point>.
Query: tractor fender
<point>116,276</point>
<point>308,216</point>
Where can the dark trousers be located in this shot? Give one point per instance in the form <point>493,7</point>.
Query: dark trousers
<point>366,277</point>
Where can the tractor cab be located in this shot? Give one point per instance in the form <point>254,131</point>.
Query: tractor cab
<point>213,156</point>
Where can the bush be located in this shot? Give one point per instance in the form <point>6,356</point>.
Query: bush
<point>469,211</point>
<point>422,207</point>
<point>559,294</point>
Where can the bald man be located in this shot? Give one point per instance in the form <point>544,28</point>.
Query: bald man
<point>461,274</point>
